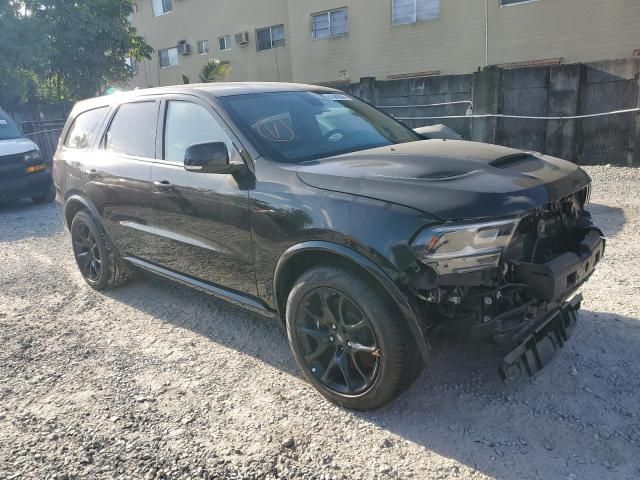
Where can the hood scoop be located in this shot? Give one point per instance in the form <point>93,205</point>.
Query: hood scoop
<point>520,162</point>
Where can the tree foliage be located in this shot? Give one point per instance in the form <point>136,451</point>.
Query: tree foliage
<point>80,46</point>
<point>215,71</point>
<point>21,54</point>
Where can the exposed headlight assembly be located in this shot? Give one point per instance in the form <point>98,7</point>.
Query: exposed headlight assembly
<point>32,156</point>
<point>460,248</point>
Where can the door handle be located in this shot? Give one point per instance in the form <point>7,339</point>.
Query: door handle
<point>163,185</point>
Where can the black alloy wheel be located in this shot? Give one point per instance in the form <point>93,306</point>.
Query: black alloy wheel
<point>337,341</point>
<point>349,338</point>
<point>87,252</point>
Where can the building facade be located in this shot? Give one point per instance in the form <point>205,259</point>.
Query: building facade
<point>332,41</point>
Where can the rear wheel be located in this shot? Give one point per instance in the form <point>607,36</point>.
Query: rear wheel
<point>99,265</point>
<point>349,340</point>
<point>48,197</point>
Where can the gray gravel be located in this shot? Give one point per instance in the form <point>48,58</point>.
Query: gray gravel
<point>157,381</point>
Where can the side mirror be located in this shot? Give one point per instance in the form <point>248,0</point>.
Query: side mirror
<point>212,157</point>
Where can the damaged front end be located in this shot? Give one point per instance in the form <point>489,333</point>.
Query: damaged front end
<point>511,281</point>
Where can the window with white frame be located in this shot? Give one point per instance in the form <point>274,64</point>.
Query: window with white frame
<point>333,23</point>
<point>412,11</point>
<point>160,7</point>
<point>168,57</point>
<point>203,47</point>
<point>270,37</point>
<point>224,43</point>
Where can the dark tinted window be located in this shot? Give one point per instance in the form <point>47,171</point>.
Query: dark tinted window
<point>133,130</point>
<point>295,127</point>
<point>8,129</point>
<point>84,128</point>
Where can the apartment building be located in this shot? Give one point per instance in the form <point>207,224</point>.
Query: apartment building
<point>329,41</point>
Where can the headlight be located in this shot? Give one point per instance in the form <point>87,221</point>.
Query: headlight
<point>458,248</point>
<point>32,156</point>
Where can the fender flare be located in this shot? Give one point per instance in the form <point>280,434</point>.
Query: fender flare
<point>92,210</point>
<point>84,201</point>
<point>399,298</point>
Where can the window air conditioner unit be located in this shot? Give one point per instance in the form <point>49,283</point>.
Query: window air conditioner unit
<point>184,48</point>
<point>242,38</point>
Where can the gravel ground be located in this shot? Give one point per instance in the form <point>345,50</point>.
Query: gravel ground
<point>157,381</point>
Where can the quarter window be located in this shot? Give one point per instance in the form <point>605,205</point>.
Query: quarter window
<point>270,37</point>
<point>84,129</point>
<point>187,124</point>
<point>412,11</point>
<point>203,47</point>
<point>133,130</point>
<point>224,43</point>
<point>160,7</point>
<point>168,57</point>
<point>333,23</point>
<point>512,2</point>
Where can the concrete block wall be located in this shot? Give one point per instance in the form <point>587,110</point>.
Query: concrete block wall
<point>546,91</point>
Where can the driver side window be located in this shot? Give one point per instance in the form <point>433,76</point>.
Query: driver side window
<point>187,124</point>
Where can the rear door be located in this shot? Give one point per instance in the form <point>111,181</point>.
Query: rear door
<point>202,219</point>
<point>119,176</point>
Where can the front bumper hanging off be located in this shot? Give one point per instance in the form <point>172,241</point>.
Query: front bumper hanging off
<point>541,344</point>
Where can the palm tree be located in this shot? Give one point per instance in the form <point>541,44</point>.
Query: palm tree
<point>215,71</point>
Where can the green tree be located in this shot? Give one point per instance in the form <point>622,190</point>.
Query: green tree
<point>86,44</point>
<point>21,54</point>
<point>215,71</point>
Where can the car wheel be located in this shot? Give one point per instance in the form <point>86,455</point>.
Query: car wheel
<point>349,340</point>
<point>99,265</point>
<point>49,197</point>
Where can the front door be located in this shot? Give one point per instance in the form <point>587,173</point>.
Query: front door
<point>119,173</point>
<point>202,219</point>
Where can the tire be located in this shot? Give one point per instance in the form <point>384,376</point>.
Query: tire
<point>49,197</point>
<point>380,357</point>
<point>96,258</point>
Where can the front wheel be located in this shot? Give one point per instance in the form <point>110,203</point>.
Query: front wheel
<point>349,340</point>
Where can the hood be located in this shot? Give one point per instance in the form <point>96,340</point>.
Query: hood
<point>449,179</point>
<point>16,146</point>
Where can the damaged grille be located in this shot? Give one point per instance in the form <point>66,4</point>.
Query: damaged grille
<point>545,232</point>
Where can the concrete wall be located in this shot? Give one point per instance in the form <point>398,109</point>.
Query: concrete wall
<point>572,30</point>
<point>556,91</point>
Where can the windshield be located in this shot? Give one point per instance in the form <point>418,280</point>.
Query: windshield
<point>8,129</point>
<point>294,127</point>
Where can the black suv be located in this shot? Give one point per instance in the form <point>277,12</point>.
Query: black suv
<point>311,206</point>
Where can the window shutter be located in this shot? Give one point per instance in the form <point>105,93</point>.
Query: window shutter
<point>263,39</point>
<point>339,22</point>
<point>320,25</point>
<point>277,36</point>
<point>403,11</point>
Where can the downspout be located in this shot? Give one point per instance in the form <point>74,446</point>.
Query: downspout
<point>486,33</point>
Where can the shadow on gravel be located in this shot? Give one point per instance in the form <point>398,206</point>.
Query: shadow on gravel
<point>578,415</point>
<point>221,322</point>
<point>26,219</point>
<point>610,219</point>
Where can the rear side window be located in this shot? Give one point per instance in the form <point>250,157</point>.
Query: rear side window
<point>133,130</point>
<point>84,129</point>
